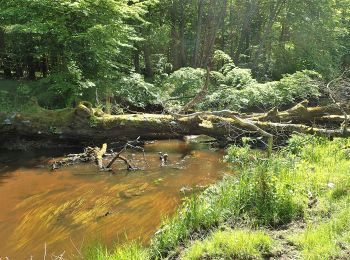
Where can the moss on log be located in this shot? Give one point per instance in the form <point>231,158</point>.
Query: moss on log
<point>83,124</point>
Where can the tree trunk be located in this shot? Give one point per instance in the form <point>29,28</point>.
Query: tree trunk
<point>31,67</point>
<point>5,64</point>
<point>245,31</point>
<point>214,20</point>
<point>232,29</point>
<point>136,60</point>
<point>182,24</point>
<point>148,62</point>
<point>7,68</point>
<point>261,53</point>
<point>44,66</point>
<point>201,94</point>
<point>174,36</point>
<point>200,7</point>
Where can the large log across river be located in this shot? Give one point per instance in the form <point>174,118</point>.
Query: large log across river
<point>85,123</point>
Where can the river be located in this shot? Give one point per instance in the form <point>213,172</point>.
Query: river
<point>70,209</point>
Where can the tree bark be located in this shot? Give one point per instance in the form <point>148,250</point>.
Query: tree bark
<point>196,59</point>
<point>148,63</point>
<point>275,9</point>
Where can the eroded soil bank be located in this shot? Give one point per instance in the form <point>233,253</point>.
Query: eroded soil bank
<point>73,207</point>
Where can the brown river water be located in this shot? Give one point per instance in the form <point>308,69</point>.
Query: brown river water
<point>75,207</point>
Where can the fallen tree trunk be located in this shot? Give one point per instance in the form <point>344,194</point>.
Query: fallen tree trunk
<point>303,114</point>
<point>84,124</point>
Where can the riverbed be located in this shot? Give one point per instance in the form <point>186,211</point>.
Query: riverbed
<point>67,210</point>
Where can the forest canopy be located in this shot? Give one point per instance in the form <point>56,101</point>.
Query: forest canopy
<point>153,54</point>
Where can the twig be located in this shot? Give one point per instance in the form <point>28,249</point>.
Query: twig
<point>45,252</point>
<point>75,246</point>
<point>119,156</point>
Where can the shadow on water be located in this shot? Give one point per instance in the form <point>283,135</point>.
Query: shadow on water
<point>74,206</point>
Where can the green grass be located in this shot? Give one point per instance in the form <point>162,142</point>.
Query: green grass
<point>327,239</point>
<point>269,193</point>
<point>232,244</point>
<point>132,251</point>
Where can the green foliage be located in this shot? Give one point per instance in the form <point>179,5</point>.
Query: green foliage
<point>62,89</point>
<point>83,42</point>
<point>239,78</point>
<point>14,95</point>
<point>221,56</point>
<point>288,90</point>
<point>135,91</point>
<point>185,82</point>
<point>241,156</point>
<point>234,88</point>
<point>297,142</point>
<point>231,244</point>
<point>182,85</point>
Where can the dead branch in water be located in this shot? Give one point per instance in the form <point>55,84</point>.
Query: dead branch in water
<point>89,155</point>
<point>120,157</point>
<point>96,155</point>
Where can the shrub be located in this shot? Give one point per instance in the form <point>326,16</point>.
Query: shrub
<point>133,90</point>
<point>288,90</point>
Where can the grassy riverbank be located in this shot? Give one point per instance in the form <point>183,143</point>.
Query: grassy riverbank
<point>292,205</point>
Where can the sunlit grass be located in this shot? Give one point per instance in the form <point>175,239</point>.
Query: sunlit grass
<point>326,240</point>
<point>232,244</point>
<point>131,251</point>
